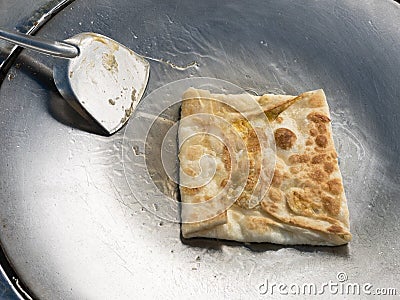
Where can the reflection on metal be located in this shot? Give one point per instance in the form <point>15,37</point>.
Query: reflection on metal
<point>16,50</point>
<point>72,228</point>
<point>50,10</point>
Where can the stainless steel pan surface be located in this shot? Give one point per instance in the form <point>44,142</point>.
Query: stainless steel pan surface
<point>70,225</point>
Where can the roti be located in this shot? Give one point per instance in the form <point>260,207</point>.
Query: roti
<point>239,183</point>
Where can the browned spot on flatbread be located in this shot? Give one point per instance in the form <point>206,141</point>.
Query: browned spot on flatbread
<point>252,163</point>
<point>335,186</point>
<point>295,170</point>
<point>190,191</point>
<point>197,199</point>
<point>329,167</point>
<point>321,128</point>
<point>226,158</point>
<point>259,224</point>
<point>251,181</point>
<point>285,138</point>
<point>248,134</point>
<point>318,159</point>
<point>243,201</point>
<point>194,152</point>
<point>316,101</point>
<point>279,120</point>
<point>299,158</point>
<point>310,184</point>
<point>264,204</point>
<point>313,132</point>
<point>317,117</point>
<point>331,205</point>
<point>300,204</point>
<point>223,183</point>
<point>317,174</point>
<point>190,172</point>
<point>335,229</point>
<point>275,195</point>
<point>190,106</point>
<point>273,206</point>
<point>253,144</point>
<point>273,209</point>
<point>250,138</point>
<point>321,141</point>
<point>277,179</point>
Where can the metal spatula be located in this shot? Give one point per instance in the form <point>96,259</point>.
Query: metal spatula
<point>97,75</point>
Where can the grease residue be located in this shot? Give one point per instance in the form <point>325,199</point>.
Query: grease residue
<point>193,64</point>
<point>128,113</point>
<point>351,145</point>
<point>133,94</point>
<point>109,62</point>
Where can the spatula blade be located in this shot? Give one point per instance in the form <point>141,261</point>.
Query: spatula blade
<point>106,79</point>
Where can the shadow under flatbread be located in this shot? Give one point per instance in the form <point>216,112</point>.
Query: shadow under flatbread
<point>216,244</point>
<point>57,106</point>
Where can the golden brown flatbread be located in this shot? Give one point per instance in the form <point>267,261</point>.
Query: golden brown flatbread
<point>299,200</point>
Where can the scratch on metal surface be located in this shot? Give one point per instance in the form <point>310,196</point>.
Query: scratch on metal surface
<point>133,34</point>
<point>86,5</point>
<point>169,19</point>
<point>84,199</point>
<point>87,175</point>
<point>129,270</point>
<point>376,90</point>
<point>120,257</point>
<point>253,267</point>
<point>103,19</point>
<point>226,57</point>
<point>111,214</point>
<point>114,251</point>
<point>122,203</point>
<point>119,198</point>
<point>109,7</point>
<point>203,44</point>
<point>96,187</point>
<point>178,3</point>
<point>276,79</point>
<point>284,58</point>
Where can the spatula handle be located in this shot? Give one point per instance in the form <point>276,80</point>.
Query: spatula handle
<point>54,48</point>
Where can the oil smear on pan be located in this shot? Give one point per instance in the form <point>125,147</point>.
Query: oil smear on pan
<point>192,50</point>
<point>351,146</point>
<point>168,63</point>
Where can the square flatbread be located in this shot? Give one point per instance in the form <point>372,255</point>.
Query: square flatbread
<point>299,199</point>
